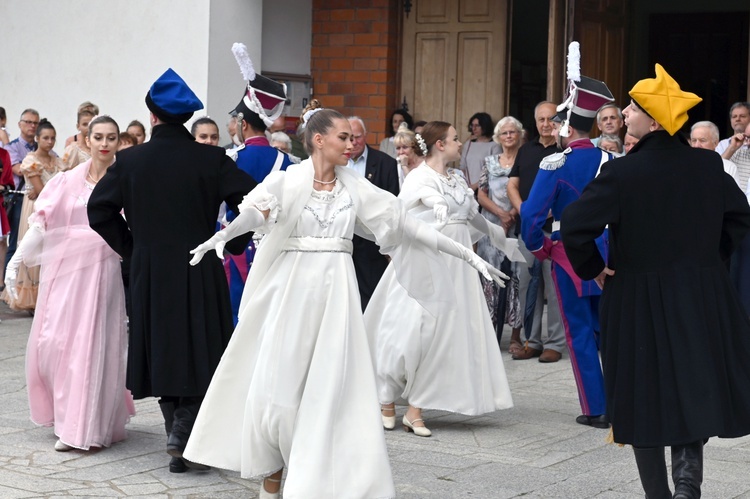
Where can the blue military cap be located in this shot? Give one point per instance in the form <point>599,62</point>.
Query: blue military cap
<point>170,98</point>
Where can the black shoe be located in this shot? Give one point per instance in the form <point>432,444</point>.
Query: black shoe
<point>595,421</point>
<point>177,465</point>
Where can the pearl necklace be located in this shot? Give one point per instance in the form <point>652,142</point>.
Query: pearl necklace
<point>326,183</point>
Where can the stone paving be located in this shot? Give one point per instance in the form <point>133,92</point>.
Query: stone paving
<point>534,450</point>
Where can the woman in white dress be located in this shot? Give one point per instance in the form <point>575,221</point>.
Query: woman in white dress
<point>296,387</point>
<point>449,360</point>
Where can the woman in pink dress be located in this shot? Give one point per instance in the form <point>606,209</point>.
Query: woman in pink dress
<point>75,358</point>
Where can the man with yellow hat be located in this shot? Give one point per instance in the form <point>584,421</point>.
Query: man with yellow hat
<point>675,340</point>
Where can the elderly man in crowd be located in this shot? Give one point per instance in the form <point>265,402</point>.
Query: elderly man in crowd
<point>380,169</point>
<point>705,135</point>
<point>739,118</point>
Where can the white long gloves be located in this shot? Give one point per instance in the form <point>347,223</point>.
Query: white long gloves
<point>451,247</point>
<point>31,240</point>
<point>246,221</point>
<point>497,236</point>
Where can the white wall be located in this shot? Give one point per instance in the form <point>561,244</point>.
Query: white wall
<point>60,54</point>
<point>231,21</point>
<point>287,36</point>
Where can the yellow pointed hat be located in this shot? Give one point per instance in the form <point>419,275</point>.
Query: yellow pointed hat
<point>662,98</point>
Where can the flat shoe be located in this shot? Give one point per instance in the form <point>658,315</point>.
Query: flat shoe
<point>595,421</point>
<point>61,447</point>
<point>420,431</point>
<point>549,356</point>
<point>389,422</point>
<point>264,494</point>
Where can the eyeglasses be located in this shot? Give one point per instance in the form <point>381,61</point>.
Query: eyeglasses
<point>27,122</point>
<point>509,132</point>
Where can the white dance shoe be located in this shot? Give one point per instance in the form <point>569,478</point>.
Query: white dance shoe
<point>264,494</point>
<point>389,422</point>
<point>420,431</point>
<point>61,447</point>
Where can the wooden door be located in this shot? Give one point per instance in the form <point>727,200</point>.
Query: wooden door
<point>454,60</point>
<point>599,26</point>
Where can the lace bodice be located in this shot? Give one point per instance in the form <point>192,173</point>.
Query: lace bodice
<point>327,214</point>
<point>458,195</point>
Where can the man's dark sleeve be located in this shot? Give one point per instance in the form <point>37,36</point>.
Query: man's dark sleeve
<point>516,170</point>
<point>391,180</point>
<point>104,207</point>
<point>235,184</point>
<point>585,219</point>
<point>736,222</point>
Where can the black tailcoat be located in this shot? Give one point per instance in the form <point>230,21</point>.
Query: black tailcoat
<point>675,341</point>
<point>369,264</point>
<point>170,189</point>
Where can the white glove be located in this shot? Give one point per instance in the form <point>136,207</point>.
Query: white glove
<point>451,247</point>
<point>440,211</point>
<point>11,274</point>
<point>488,271</point>
<point>246,221</point>
<point>29,244</point>
<point>509,246</point>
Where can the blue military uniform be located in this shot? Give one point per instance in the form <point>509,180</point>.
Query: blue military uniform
<point>256,158</point>
<point>560,181</point>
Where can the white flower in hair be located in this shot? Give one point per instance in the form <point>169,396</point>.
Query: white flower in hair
<point>421,143</point>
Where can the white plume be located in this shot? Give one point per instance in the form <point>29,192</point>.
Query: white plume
<point>243,59</point>
<point>574,62</point>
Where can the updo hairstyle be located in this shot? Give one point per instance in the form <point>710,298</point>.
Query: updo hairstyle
<point>434,131</point>
<point>318,122</point>
<point>44,125</point>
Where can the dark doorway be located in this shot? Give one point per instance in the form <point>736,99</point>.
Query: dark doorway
<point>707,54</point>
<point>528,60</point>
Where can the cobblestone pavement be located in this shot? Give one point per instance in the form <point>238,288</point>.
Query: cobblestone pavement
<point>534,450</point>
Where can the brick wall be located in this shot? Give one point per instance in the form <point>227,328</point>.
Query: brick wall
<point>355,59</point>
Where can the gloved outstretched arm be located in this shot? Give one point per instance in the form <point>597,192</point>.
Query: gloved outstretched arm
<point>507,245</point>
<point>30,242</point>
<point>249,219</point>
<point>427,236</point>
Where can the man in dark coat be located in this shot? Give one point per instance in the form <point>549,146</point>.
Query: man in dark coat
<point>675,339</point>
<point>170,189</point>
<point>381,170</point>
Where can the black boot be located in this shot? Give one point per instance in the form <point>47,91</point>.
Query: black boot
<point>176,464</point>
<point>652,469</point>
<point>687,470</point>
<point>184,418</point>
